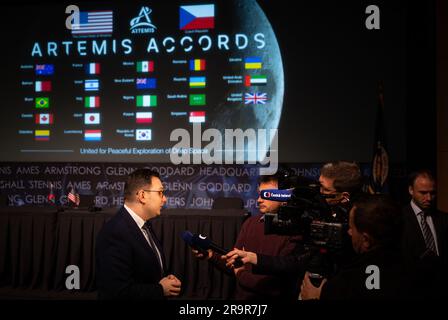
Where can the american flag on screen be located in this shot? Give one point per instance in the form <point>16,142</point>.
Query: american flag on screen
<point>93,22</point>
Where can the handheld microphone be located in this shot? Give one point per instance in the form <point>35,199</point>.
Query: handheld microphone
<point>203,243</point>
<point>276,194</point>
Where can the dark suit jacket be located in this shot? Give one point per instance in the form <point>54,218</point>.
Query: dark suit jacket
<point>432,269</point>
<point>350,282</point>
<point>126,266</point>
<point>413,244</point>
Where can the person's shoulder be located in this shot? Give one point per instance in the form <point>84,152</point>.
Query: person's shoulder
<point>115,224</point>
<point>408,212</point>
<point>407,208</point>
<point>252,219</point>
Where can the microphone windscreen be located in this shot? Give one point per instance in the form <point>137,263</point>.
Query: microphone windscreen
<point>187,236</point>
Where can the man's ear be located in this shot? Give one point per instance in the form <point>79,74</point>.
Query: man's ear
<point>141,196</point>
<point>367,242</point>
<point>411,190</point>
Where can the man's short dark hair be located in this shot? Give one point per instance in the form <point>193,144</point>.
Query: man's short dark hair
<point>420,173</point>
<point>139,179</point>
<point>380,217</point>
<point>283,178</point>
<point>347,176</point>
<point>267,179</point>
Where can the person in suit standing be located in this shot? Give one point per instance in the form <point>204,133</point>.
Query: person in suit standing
<point>130,263</point>
<point>425,237</point>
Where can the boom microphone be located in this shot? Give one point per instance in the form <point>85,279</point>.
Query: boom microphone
<point>203,243</point>
<point>276,194</point>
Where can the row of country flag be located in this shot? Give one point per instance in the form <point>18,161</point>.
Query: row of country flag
<point>145,66</point>
<point>95,67</point>
<point>194,100</point>
<point>48,69</point>
<point>191,17</point>
<point>151,83</point>
<point>140,134</point>
<point>141,101</point>
<point>151,100</point>
<point>95,117</point>
<point>94,135</point>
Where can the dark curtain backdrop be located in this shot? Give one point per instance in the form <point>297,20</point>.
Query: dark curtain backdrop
<point>36,246</point>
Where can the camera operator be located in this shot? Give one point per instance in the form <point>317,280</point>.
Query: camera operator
<point>250,286</point>
<point>339,182</point>
<point>375,225</point>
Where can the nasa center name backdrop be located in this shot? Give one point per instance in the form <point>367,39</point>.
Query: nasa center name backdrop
<point>115,85</point>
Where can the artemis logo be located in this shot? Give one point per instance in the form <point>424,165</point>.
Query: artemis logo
<point>202,237</point>
<point>142,23</point>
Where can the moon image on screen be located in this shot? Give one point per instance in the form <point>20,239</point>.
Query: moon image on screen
<point>250,19</point>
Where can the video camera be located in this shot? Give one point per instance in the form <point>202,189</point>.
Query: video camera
<point>307,214</point>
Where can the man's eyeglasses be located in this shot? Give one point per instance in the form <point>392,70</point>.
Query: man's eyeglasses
<point>161,192</point>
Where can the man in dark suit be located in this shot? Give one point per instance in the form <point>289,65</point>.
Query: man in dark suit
<point>425,237</point>
<point>130,263</point>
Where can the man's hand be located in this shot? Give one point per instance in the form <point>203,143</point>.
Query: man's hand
<point>238,270</point>
<point>246,257</point>
<point>171,286</point>
<point>308,290</point>
<point>202,256</point>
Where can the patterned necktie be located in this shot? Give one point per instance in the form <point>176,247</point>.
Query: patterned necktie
<point>152,243</point>
<point>427,234</point>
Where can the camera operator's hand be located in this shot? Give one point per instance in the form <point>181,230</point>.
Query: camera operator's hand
<point>246,257</point>
<point>200,255</point>
<point>308,290</point>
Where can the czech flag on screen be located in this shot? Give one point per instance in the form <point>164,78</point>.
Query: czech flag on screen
<point>197,17</point>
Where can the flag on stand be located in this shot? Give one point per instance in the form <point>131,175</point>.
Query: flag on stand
<point>380,161</point>
<point>73,197</point>
<point>51,197</point>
